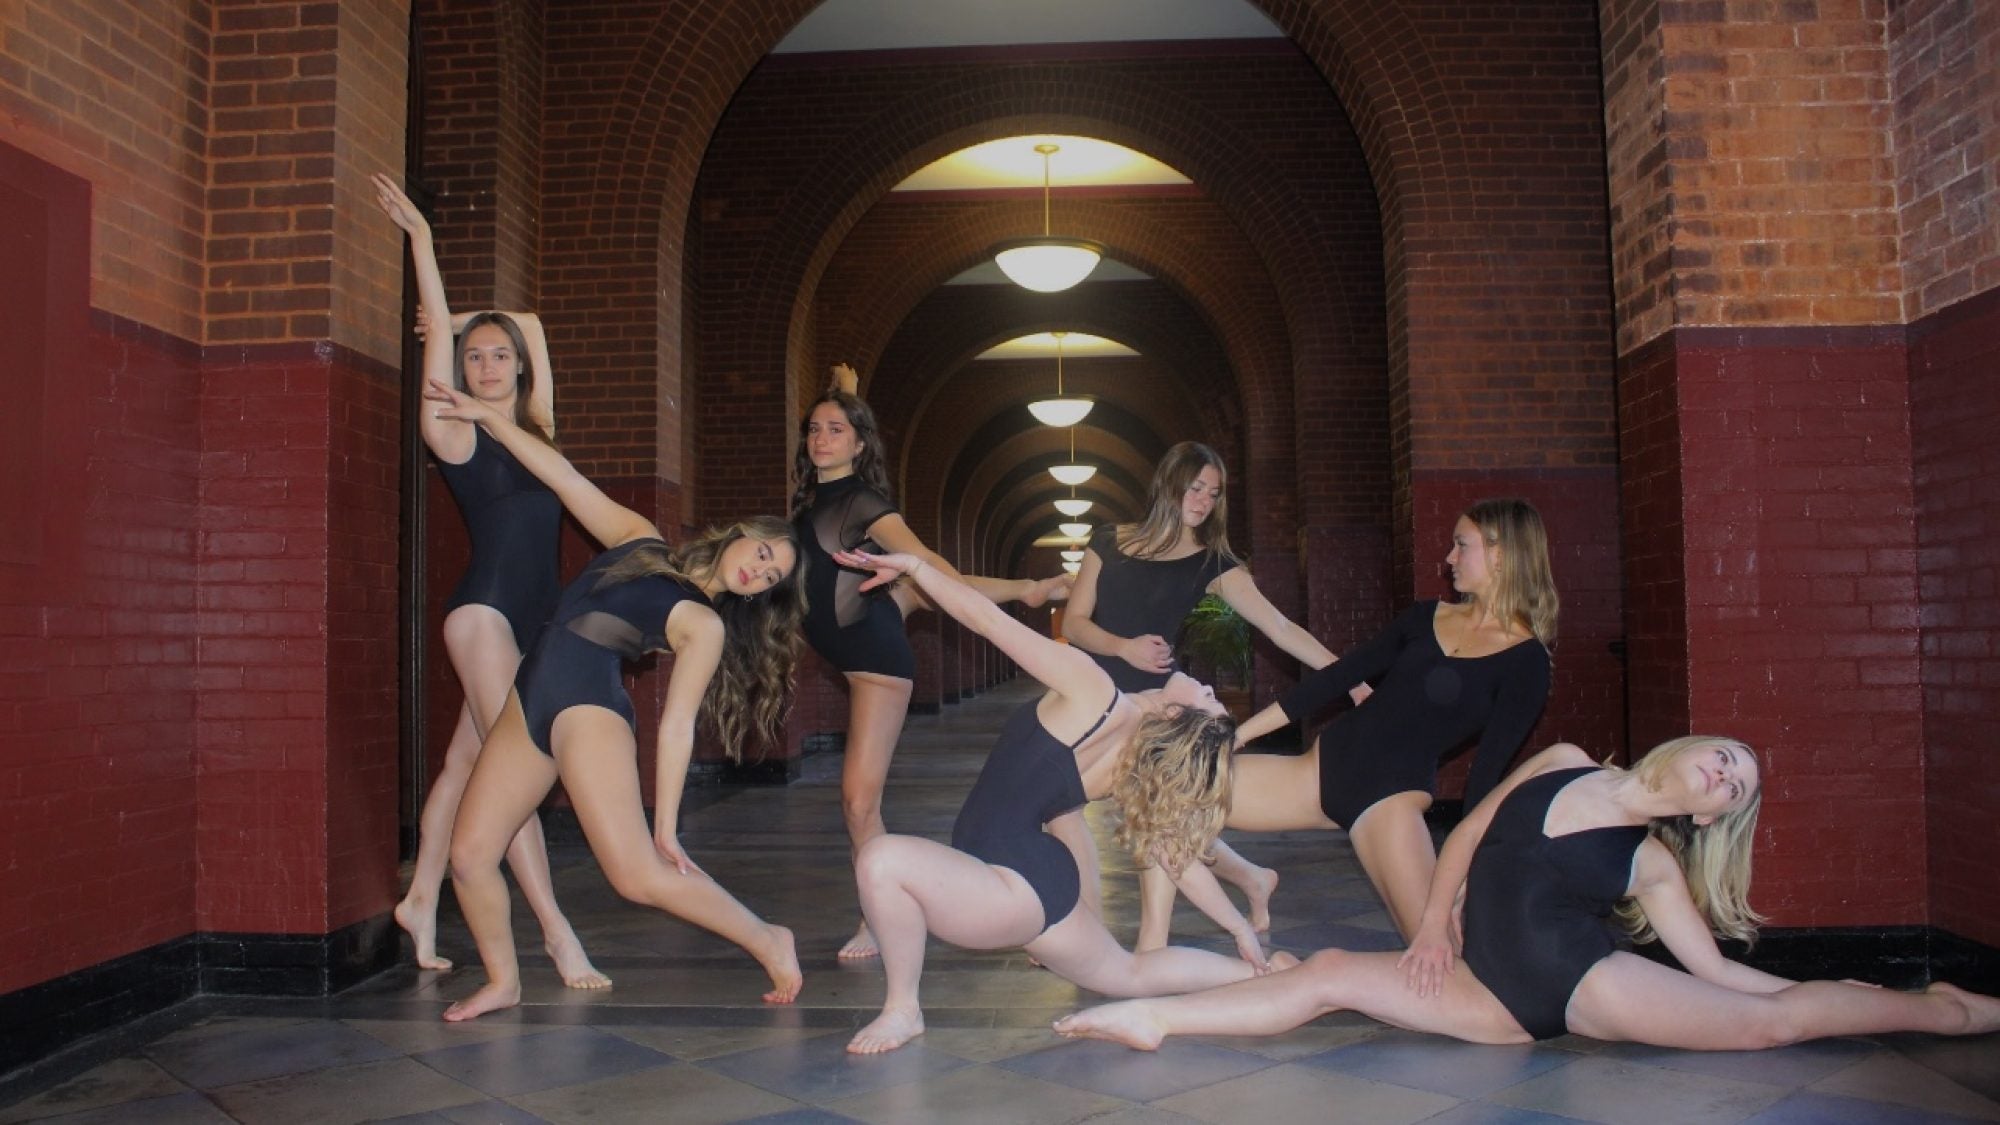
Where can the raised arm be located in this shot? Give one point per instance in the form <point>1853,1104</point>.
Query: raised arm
<point>604,519</point>
<point>542,402</point>
<point>1065,671</point>
<point>448,440</point>
<point>1435,945</point>
<point>695,633</point>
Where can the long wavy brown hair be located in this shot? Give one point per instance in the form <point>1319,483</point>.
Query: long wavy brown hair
<point>1160,531</point>
<point>1714,857</point>
<point>1524,590</point>
<point>752,686</point>
<point>871,464</point>
<point>524,380</point>
<point>1173,792</point>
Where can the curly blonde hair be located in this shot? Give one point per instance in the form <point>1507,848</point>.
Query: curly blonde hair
<point>1715,857</point>
<point>752,686</point>
<point>1173,793</point>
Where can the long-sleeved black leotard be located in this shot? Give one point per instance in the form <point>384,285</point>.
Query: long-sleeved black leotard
<point>1426,705</point>
<point>852,630</point>
<point>1137,596</point>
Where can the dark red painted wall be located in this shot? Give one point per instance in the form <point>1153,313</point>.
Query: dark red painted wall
<point>1955,415</point>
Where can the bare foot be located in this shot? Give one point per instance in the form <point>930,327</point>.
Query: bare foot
<point>492,998</point>
<point>420,921</point>
<point>860,947</point>
<point>1259,889</point>
<point>1129,1022</point>
<point>1982,1012</point>
<point>782,962</point>
<point>893,1028</point>
<point>573,965</point>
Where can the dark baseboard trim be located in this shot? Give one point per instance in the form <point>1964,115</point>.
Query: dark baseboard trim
<point>925,707</point>
<point>1893,956</point>
<point>42,1019</point>
<point>763,771</point>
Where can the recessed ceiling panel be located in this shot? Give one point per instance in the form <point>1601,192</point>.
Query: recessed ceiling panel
<point>1012,162</point>
<point>1076,345</point>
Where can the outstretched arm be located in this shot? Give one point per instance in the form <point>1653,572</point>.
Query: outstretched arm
<point>1236,587</point>
<point>1198,883</point>
<point>1435,945</point>
<point>1662,890</point>
<point>896,537</point>
<point>450,442</point>
<point>604,519</point>
<point>1065,671</point>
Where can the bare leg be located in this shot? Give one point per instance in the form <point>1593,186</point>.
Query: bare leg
<point>1630,998</point>
<point>507,784</point>
<point>595,751</point>
<point>1080,950</point>
<point>1157,893</point>
<point>483,654</point>
<point>911,888</point>
<point>1394,847</point>
<point>1328,981</point>
<point>876,707</point>
<point>417,912</point>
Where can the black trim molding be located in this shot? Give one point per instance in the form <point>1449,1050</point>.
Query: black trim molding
<point>41,1019</point>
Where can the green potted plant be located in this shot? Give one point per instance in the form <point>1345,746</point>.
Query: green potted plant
<point>1215,647</point>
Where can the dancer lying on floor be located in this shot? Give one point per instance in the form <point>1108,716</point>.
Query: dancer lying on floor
<point>726,604</point>
<point>1022,868</point>
<point>1543,861</point>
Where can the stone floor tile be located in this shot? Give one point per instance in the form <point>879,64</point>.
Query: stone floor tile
<point>1443,1066</point>
<point>120,1080</point>
<point>1293,1093</point>
<point>1622,1093</point>
<point>1887,1077</point>
<point>1794,1066</point>
<point>249,1053</point>
<point>190,1108</point>
<point>980,1095</point>
<point>344,1095</point>
<point>1136,1076</point>
<point>821,1072</point>
<point>564,1057</point>
<point>682,1094</point>
<point>696,1044</point>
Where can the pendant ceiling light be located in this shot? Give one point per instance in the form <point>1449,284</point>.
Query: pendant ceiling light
<point>1062,410</point>
<point>1072,474</point>
<point>1074,530</point>
<point>1073,567</point>
<point>1047,264</point>
<point>1072,556</point>
<point>1071,506</point>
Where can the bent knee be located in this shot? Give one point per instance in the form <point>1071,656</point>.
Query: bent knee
<point>878,863</point>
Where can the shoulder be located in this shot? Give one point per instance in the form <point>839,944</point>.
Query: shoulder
<point>1654,867</point>
<point>693,621</point>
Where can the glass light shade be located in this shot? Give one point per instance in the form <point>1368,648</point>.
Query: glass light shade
<point>1072,567</point>
<point>1060,411</point>
<point>1072,556</point>
<point>1048,265</point>
<point>1072,475</point>
<point>1074,530</point>
<point>1071,506</point>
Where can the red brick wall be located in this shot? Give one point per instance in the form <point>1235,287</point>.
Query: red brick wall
<point>1945,71</point>
<point>1955,410</point>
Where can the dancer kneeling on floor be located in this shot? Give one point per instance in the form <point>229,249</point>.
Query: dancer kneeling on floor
<point>726,605</point>
<point>1543,862</point>
<point>1022,868</point>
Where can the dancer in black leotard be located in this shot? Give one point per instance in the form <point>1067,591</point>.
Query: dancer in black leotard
<point>1543,860</point>
<point>1138,584</point>
<point>1444,673</point>
<point>508,590</point>
<point>840,503</point>
<point>1022,870</point>
<point>727,605</point>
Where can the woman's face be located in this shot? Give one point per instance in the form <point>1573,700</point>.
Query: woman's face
<point>1472,560</point>
<point>831,442</point>
<point>492,370</point>
<point>1712,778</point>
<point>1186,691</point>
<point>749,566</point>
<point>1199,499</point>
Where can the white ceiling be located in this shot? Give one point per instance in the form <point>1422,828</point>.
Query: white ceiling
<point>880,25</point>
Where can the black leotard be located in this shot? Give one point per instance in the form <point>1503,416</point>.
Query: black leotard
<point>1425,706</point>
<point>853,631</point>
<point>513,520</point>
<point>1029,779</point>
<point>1536,905</point>
<point>1136,597</point>
<point>578,658</point>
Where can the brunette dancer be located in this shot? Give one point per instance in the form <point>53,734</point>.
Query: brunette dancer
<point>1022,867</point>
<point>1444,673</point>
<point>506,595</point>
<point>1559,846</point>
<point>840,503</point>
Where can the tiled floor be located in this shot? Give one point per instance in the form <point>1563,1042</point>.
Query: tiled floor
<point>683,1038</point>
